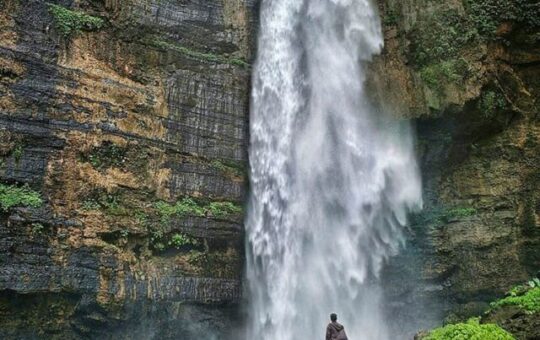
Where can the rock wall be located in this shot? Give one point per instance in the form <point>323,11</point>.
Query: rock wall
<point>128,120</point>
<point>467,73</point>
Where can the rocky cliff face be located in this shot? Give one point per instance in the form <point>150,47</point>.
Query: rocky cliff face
<point>467,73</point>
<point>123,129</point>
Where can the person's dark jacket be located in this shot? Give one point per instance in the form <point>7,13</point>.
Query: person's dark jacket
<point>335,331</point>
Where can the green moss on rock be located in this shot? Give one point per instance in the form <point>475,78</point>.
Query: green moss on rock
<point>69,22</point>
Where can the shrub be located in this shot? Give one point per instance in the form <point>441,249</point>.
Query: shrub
<point>471,330</point>
<point>527,299</point>
<point>11,196</point>
<point>69,22</point>
<point>180,240</point>
<point>222,209</point>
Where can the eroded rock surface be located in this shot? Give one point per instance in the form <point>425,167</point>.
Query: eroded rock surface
<point>120,127</point>
<point>467,73</point>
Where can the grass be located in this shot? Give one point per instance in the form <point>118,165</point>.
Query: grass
<point>12,196</point>
<point>69,22</point>
<point>197,54</point>
<point>470,330</point>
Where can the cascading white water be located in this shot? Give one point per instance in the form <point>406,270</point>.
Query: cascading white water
<point>331,180</point>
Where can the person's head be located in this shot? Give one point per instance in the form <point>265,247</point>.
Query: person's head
<point>333,317</point>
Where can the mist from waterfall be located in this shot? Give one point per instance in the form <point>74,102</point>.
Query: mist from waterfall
<point>332,179</point>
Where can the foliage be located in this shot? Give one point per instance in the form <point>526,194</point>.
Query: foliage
<point>229,168</point>
<point>156,240</point>
<point>222,209</point>
<point>106,155</point>
<point>436,75</point>
<point>180,240</point>
<point>189,207</point>
<point>37,228</point>
<point>471,330</point>
<point>11,196</point>
<point>438,215</point>
<point>198,55</point>
<point>390,17</point>
<point>18,152</point>
<point>526,298</point>
<point>69,22</point>
<point>460,212</point>
<point>440,37</point>
<point>109,203</point>
<point>490,102</point>
<point>487,15</point>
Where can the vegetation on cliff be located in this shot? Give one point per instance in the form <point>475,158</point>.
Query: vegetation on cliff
<point>12,196</point>
<point>522,300</point>
<point>69,22</point>
<point>526,297</point>
<point>470,330</point>
<point>189,207</point>
<point>211,57</point>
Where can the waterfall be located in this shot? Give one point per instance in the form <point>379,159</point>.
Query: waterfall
<point>332,179</point>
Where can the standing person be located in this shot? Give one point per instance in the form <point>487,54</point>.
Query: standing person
<point>334,330</point>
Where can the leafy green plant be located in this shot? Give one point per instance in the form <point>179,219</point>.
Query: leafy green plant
<point>37,228</point>
<point>440,37</point>
<point>106,156</point>
<point>11,196</point>
<point>189,207</point>
<point>69,22</point>
<point>471,330</point>
<point>437,75</point>
<point>90,204</point>
<point>18,152</point>
<point>526,298</point>
<point>156,240</point>
<point>180,240</point>
<point>124,233</point>
<point>487,15</point>
<point>222,209</point>
<point>491,102</point>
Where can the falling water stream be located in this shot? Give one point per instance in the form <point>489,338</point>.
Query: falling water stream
<point>332,179</point>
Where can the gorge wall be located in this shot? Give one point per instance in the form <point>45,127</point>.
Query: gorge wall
<point>123,137</point>
<point>467,73</point>
<point>126,122</point>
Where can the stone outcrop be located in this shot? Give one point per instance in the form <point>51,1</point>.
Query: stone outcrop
<point>467,73</point>
<point>129,118</point>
